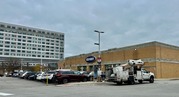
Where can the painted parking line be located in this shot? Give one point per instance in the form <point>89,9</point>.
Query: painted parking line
<point>5,94</point>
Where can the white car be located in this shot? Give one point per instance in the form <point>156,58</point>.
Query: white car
<point>39,76</point>
<point>48,76</point>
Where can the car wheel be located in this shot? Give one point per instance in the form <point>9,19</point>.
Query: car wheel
<point>151,79</point>
<point>140,81</point>
<point>54,80</point>
<point>84,79</point>
<point>119,83</point>
<point>64,81</point>
<point>91,78</point>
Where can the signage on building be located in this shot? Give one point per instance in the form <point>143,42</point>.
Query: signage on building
<point>90,59</point>
<point>99,59</point>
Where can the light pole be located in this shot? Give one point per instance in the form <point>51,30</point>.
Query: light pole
<point>99,43</point>
<point>41,61</point>
<point>21,63</point>
<point>99,52</point>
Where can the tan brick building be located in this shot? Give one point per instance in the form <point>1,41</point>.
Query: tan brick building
<point>160,58</point>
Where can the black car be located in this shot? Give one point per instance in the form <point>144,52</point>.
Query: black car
<point>29,74</point>
<point>33,76</point>
<point>1,75</point>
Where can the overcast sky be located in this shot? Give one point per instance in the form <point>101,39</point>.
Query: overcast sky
<point>124,22</point>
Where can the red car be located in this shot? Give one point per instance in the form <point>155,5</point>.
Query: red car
<point>65,76</point>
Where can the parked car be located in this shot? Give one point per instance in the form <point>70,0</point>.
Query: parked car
<point>15,74</point>
<point>22,74</point>
<point>1,75</point>
<point>90,75</point>
<point>65,76</point>
<point>29,74</point>
<point>84,73</point>
<point>48,76</point>
<point>39,76</point>
<point>33,76</point>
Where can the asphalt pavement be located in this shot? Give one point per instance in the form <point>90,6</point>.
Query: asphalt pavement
<point>15,87</point>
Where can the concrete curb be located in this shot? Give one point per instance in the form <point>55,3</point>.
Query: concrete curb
<point>81,83</point>
<point>100,83</point>
<point>166,79</point>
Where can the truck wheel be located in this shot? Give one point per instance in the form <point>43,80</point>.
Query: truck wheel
<point>131,82</point>
<point>119,83</point>
<point>151,79</point>
<point>64,81</point>
<point>140,81</point>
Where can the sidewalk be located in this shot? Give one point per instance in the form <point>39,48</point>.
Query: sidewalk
<point>91,83</point>
<point>163,79</point>
<point>82,83</point>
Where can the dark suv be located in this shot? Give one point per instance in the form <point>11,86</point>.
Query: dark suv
<point>65,76</point>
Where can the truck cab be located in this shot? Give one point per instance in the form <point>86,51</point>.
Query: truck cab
<point>147,75</point>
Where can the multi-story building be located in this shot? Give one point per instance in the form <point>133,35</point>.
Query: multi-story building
<point>31,45</point>
<point>159,58</point>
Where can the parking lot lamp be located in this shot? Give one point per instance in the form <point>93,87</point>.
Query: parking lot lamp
<point>99,52</point>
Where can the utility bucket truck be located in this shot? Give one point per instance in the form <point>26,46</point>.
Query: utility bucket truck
<point>130,73</point>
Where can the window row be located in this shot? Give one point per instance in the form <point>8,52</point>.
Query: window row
<point>29,39</point>
<point>58,37</point>
<point>28,55</point>
<point>30,30</point>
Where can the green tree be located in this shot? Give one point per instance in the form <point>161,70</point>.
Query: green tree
<point>36,68</point>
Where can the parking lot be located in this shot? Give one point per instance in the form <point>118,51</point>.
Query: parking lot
<point>15,87</point>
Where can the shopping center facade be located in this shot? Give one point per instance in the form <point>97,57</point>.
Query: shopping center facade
<point>160,58</point>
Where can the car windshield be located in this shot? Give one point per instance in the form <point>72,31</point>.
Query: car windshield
<point>51,72</point>
<point>77,72</point>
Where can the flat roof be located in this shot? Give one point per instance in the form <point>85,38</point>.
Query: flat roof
<point>156,43</point>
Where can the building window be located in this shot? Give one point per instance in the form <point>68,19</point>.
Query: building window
<point>19,28</point>
<point>24,29</point>
<point>61,49</point>
<point>8,26</point>
<point>61,56</point>
<point>30,30</point>
<point>34,30</point>
<point>7,50</point>
<point>13,51</point>
<point>6,53</point>
<point>1,29</point>
<point>19,36</point>
<point>29,37</point>
<point>2,26</point>
<point>7,42</point>
<point>13,27</point>
<point>23,47</point>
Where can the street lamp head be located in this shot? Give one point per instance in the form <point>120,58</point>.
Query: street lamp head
<point>96,43</point>
<point>98,31</point>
